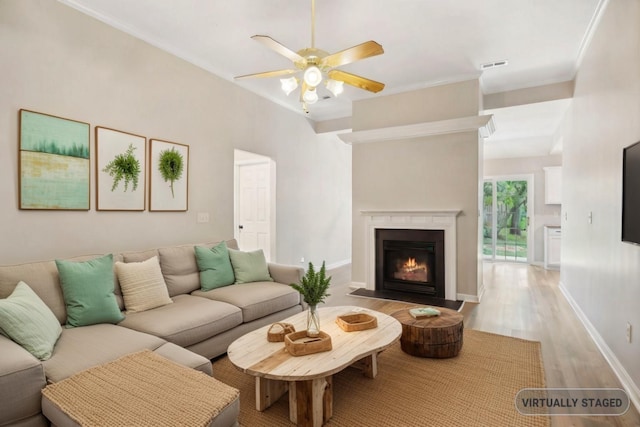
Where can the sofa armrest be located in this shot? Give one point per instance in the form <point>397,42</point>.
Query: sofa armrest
<point>21,381</point>
<point>285,274</point>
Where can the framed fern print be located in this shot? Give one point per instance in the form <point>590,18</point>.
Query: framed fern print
<point>169,176</point>
<point>120,170</point>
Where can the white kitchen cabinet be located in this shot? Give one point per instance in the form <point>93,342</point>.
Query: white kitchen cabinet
<point>552,245</point>
<point>553,185</point>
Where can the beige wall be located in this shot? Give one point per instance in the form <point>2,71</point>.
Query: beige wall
<point>543,214</point>
<point>437,172</point>
<point>426,105</point>
<point>56,60</point>
<point>601,273</point>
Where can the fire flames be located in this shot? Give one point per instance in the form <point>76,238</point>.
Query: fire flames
<point>411,270</point>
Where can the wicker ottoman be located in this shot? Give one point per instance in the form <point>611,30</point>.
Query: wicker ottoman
<point>141,389</point>
<point>438,337</point>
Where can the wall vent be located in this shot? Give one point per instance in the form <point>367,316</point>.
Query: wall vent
<point>495,64</point>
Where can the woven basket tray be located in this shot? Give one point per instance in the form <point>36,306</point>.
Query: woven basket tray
<point>278,330</point>
<point>356,322</point>
<point>299,344</point>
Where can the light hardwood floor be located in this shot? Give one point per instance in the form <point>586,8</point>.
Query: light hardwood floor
<point>525,301</point>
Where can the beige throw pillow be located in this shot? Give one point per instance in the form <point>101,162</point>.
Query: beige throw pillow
<point>142,284</point>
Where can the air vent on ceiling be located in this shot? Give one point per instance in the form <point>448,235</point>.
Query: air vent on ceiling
<point>496,64</point>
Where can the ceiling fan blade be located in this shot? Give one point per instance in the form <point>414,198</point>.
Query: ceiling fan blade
<point>352,54</point>
<point>275,73</point>
<point>357,81</point>
<point>279,48</point>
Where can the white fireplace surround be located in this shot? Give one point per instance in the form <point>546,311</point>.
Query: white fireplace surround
<point>418,220</point>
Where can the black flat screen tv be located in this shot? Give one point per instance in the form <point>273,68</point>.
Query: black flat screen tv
<point>631,194</point>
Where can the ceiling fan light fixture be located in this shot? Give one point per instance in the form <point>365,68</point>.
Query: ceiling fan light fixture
<point>289,85</point>
<point>336,87</point>
<point>310,96</point>
<point>312,76</point>
<point>318,66</point>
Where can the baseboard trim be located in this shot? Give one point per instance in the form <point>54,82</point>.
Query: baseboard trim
<point>339,264</point>
<point>481,293</point>
<point>627,382</point>
<point>466,297</point>
<point>355,285</point>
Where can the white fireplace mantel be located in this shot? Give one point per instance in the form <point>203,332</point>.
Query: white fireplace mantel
<point>419,220</point>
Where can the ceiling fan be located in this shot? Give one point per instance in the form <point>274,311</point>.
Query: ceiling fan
<point>316,64</point>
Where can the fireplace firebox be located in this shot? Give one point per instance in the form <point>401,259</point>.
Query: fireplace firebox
<point>409,260</point>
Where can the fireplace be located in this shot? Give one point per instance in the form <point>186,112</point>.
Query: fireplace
<point>413,220</point>
<point>410,260</point>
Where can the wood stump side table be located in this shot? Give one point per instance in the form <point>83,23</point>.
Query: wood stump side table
<point>437,337</point>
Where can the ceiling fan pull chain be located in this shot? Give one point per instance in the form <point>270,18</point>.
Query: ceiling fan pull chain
<point>313,23</point>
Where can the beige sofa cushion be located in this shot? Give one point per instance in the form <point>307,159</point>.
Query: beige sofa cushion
<point>142,285</point>
<point>185,357</point>
<point>42,277</point>
<point>189,320</point>
<point>180,269</point>
<point>256,299</point>
<point>21,380</point>
<point>139,256</point>
<point>86,346</point>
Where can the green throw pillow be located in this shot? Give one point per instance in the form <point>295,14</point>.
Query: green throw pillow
<point>27,320</point>
<point>249,266</point>
<point>87,288</point>
<point>215,267</point>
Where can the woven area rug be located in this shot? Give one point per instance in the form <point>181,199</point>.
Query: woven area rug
<point>476,388</point>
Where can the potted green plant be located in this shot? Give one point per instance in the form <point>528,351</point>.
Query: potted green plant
<point>313,287</point>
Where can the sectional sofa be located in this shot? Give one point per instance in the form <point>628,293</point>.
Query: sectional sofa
<point>191,327</point>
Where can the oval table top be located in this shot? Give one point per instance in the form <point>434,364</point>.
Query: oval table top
<point>254,355</point>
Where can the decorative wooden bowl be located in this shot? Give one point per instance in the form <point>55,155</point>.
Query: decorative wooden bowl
<point>299,344</point>
<point>278,330</point>
<point>356,322</point>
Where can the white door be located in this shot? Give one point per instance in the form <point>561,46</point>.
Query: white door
<point>253,216</point>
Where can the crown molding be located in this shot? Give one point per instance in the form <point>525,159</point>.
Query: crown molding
<point>484,124</point>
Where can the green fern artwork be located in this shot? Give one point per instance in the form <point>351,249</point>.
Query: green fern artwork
<point>171,166</point>
<point>124,167</point>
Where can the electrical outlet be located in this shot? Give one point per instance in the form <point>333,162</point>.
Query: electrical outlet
<point>628,332</point>
<point>302,260</point>
<point>202,217</point>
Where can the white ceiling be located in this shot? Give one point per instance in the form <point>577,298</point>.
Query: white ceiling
<point>529,130</point>
<point>426,42</point>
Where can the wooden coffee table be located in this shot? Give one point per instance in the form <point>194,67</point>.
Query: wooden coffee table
<point>309,378</point>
